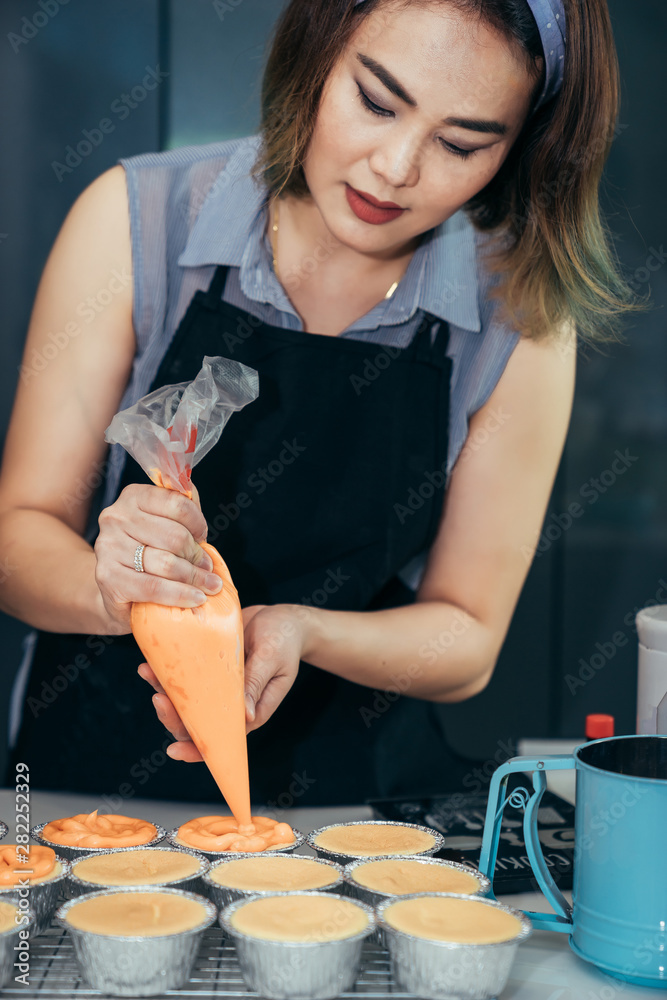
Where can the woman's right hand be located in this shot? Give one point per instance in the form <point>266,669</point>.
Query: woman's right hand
<point>176,568</point>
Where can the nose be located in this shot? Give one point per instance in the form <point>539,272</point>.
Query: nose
<point>396,159</point>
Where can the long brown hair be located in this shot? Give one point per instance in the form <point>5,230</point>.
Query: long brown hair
<point>554,257</point>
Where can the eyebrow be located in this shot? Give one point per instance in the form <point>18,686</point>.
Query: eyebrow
<point>487,125</point>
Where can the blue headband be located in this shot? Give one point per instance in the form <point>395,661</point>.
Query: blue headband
<point>550,19</point>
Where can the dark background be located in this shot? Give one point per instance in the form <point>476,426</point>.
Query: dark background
<point>582,592</point>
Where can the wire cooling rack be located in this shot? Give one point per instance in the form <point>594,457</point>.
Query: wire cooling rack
<point>55,974</point>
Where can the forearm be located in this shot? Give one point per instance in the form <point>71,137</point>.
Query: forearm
<point>432,650</point>
<point>47,575</point>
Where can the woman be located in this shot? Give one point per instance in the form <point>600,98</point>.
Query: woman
<point>404,255</point>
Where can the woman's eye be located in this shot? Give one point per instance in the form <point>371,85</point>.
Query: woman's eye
<point>457,151</point>
<point>375,109</point>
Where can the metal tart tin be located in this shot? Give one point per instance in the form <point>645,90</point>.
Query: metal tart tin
<point>449,970</point>
<point>3,830</point>
<point>373,898</point>
<point>172,838</point>
<point>344,859</point>
<point>192,883</point>
<point>9,941</point>
<point>74,853</point>
<point>307,970</point>
<point>42,896</point>
<point>223,895</point>
<point>136,966</point>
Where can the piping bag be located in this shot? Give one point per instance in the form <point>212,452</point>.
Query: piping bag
<point>196,653</point>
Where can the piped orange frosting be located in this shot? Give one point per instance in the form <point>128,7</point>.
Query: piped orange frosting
<point>223,833</point>
<point>91,830</point>
<point>15,865</point>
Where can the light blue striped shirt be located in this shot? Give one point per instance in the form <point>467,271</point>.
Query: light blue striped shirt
<point>196,207</point>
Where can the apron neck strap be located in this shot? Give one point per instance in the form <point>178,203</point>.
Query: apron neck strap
<point>213,293</point>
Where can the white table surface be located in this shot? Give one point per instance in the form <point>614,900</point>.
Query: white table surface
<point>544,968</point>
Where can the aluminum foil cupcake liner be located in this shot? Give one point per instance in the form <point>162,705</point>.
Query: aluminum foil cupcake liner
<point>345,859</point>
<point>42,896</point>
<point>74,853</point>
<point>10,940</point>
<point>223,895</point>
<point>374,898</point>
<point>294,970</point>
<point>172,838</point>
<point>191,883</point>
<point>449,970</point>
<point>136,966</point>
<point>3,830</point>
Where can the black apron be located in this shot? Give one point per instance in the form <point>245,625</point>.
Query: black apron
<point>318,492</point>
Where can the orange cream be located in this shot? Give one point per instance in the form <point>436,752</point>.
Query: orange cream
<point>273,874</point>
<point>300,918</point>
<point>137,914</point>
<point>445,918</point>
<point>368,839</point>
<point>8,917</point>
<point>400,877</point>
<point>91,830</point>
<point>38,866</point>
<point>140,867</point>
<point>223,833</point>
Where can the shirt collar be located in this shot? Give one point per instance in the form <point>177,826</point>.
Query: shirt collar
<point>448,287</point>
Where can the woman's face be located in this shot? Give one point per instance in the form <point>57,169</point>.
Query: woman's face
<point>421,110</point>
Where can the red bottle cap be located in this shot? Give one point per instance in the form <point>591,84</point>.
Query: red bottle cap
<point>599,726</point>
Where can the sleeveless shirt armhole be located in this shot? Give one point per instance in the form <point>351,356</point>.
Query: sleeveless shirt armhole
<point>141,319</point>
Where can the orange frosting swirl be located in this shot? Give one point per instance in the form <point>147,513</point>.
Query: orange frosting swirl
<point>15,866</point>
<point>223,833</point>
<point>91,830</point>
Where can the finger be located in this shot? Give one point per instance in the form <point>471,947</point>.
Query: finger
<point>169,717</point>
<point>270,699</point>
<point>147,674</point>
<point>184,751</point>
<point>125,586</point>
<point>175,506</point>
<point>160,562</point>
<point>163,533</point>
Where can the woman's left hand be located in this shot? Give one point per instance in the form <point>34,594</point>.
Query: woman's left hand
<point>274,638</point>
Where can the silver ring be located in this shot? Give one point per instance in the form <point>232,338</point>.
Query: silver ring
<point>139,558</point>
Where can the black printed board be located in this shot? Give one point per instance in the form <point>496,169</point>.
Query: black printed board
<point>460,818</point>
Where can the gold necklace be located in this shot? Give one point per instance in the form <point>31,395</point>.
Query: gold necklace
<point>274,250</point>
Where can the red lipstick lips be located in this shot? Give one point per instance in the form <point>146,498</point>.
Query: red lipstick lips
<point>369,209</point>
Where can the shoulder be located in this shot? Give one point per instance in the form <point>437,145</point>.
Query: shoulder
<point>182,178</point>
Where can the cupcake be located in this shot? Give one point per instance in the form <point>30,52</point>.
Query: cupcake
<point>136,866</point>
<point>136,942</point>
<point>375,880</point>
<point>216,836</point>
<point>259,874</point>
<point>343,842</point>
<point>300,944</point>
<point>445,945</point>
<point>74,836</point>
<point>38,879</point>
